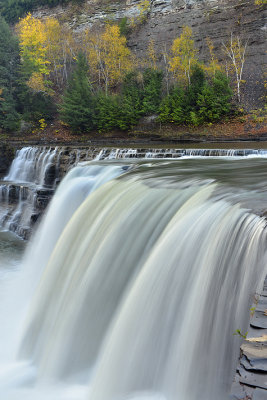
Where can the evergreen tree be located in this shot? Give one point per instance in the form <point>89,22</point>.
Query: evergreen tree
<point>131,100</point>
<point>78,106</point>
<point>172,108</point>
<point>36,105</point>
<point>214,101</point>
<point>9,76</point>
<point>12,10</point>
<point>107,112</point>
<point>152,91</point>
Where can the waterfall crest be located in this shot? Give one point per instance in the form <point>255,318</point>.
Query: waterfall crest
<point>145,270</point>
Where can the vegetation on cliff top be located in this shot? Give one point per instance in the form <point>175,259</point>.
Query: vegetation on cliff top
<point>12,10</point>
<point>96,83</point>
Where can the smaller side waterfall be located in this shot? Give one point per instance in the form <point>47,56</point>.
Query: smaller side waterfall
<point>31,165</point>
<point>27,188</point>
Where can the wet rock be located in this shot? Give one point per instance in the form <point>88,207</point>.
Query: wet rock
<point>6,157</point>
<point>50,175</point>
<point>35,217</point>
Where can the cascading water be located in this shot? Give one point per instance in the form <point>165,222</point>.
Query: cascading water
<point>135,282</point>
<point>20,190</point>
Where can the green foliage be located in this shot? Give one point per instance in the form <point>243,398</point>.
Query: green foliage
<point>9,75</point>
<point>9,118</point>
<point>124,26</point>
<point>203,101</point>
<point>37,106</point>
<point>152,91</point>
<point>239,333</point>
<point>131,100</point>
<point>78,106</point>
<point>172,107</point>
<point>12,10</point>
<point>107,112</point>
<point>214,99</point>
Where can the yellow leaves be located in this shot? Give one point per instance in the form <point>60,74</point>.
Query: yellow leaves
<point>1,92</point>
<point>42,123</point>
<point>152,57</point>
<point>184,55</point>
<point>108,55</point>
<point>36,82</point>
<point>213,65</point>
<point>46,47</point>
<point>260,2</point>
<point>144,9</point>
<point>33,39</point>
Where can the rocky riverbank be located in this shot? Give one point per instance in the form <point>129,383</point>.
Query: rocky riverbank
<point>251,378</point>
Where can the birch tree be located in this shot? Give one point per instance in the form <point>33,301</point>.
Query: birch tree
<point>108,56</point>
<point>235,50</point>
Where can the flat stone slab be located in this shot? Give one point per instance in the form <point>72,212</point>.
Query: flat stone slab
<point>259,364</point>
<point>253,379</point>
<point>259,319</point>
<point>259,394</point>
<point>253,350</point>
<point>250,382</point>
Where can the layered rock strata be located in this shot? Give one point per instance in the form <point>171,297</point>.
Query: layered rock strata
<point>251,378</point>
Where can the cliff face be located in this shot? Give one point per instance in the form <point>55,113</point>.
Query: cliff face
<point>215,19</point>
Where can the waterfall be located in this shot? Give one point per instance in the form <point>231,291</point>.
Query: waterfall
<point>136,280</point>
<point>110,154</point>
<point>30,165</point>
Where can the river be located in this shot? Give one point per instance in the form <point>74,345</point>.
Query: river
<point>136,279</point>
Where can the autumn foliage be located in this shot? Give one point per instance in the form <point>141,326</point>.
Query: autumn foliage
<point>96,83</point>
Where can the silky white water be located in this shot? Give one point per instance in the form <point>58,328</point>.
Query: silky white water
<point>135,282</point>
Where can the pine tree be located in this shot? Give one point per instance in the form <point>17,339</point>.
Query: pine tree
<point>9,75</point>
<point>78,106</point>
<point>214,101</point>
<point>152,91</point>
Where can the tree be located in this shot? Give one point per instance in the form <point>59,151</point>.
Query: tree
<point>172,107</point>
<point>77,109</point>
<point>132,99</point>
<point>152,56</point>
<point>184,56</point>
<point>32,38</point>
<point>213,65</point>
<point>12,10</point>
<point>47,49</point>
<point>107,112</point>
<point>152,91</point>
<point>9,76</point>
<point>214,100</point>
<point>108,56</point>
<point>235,50</point>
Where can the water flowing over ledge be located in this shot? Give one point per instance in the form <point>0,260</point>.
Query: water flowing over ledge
<point>36,171</point>
<point>133,285</point>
